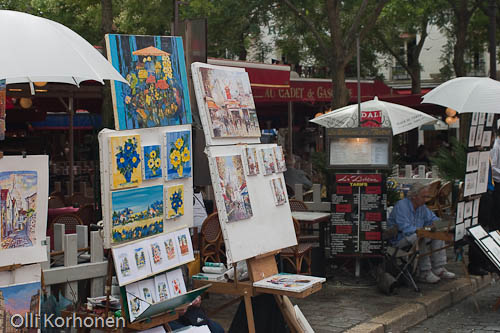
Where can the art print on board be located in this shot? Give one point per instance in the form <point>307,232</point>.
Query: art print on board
<point>126,161</point>
<point>468,209</point>
<point>459,231</point>
<point>169,245</point>
<point>124,263</point>
<point>481,118</point>
<point>136,304</point>
<point>486,139</point>
<point>152,162</point>
<point>489,119</point>
<point>184,245</point>
<point>472,161</point>
<point>136,213</point>
<point>19,299</point>
<point>470,184</point>
<point>280,159</point>
<point>147,290</point>
<point>460,212</point>
<point>157,94</point>
<point>483,171</point>
<point>268,161</point>
<point>475,221</point>
<point>479,135</point>
<point>252,161</point>
<point>475,207</point>
<point>278,191</point>
<point>229,100</point>
<point>233,186</point>
<point>475,118</point>
<point>18,209</point>
<point>175,201</point>
<point>178,154</point>
<point>161,286</point>
<point>472,136</point>
<point>468,223</point>
<point>176,282</point>
<point>493,248</point>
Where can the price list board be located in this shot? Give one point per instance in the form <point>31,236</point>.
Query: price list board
<point>358,214</point>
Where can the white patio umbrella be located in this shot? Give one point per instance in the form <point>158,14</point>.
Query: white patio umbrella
<point>398,117</point>
<point>36,49</point>
<point>467,94</point>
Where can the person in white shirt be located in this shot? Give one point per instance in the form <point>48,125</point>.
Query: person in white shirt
<point>495,172</point>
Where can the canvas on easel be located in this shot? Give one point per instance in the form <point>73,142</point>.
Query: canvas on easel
<point>24,191</point>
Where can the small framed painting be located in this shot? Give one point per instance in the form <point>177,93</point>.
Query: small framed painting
<point>472,136</point>
<point>475,118</point>
<point>147,290</point>
<point>184,245</point>
<point>486,139</point>
<point>459,231</point>
<point>162,292</point>
<point>126,161</point>
<point>479,135</point>
<point>175,201</point>
<point>268,161</point>
<point>468,209</point>
<point>176,282</point>
<point>460,212</point>
<point>489,119</point>
<point>152,162</point>
<point>278,191</point>
<point>252,161</point>
<point>280,159</point>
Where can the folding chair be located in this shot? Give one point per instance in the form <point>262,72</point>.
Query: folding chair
<point>400,262</point>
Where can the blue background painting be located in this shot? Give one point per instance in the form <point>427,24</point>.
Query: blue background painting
<point>172,163</point>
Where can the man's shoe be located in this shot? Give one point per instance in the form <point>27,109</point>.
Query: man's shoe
<point>428,277</point>
<point>476,270</point>
<point>443,273</point>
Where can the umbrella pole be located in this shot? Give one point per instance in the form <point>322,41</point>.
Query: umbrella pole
<point>290,128</point>
<point>71,146</point>
<point>358,65</point>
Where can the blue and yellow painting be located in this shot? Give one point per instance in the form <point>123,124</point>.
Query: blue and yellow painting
<point>152,161</point>
<point>158,93</point>
<point>178,154</point>
<point>136,213</point>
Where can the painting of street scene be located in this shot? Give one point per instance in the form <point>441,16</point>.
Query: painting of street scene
<point>136,213</point>
<point>268,161</point>
<point>229,102</point>
<point>252,161</point>
<point>157,93</point>
<point>234,187</point>
<point>18,194</point>
<point>18,299</point>
<point>278,191</point>
<point>280,159</point>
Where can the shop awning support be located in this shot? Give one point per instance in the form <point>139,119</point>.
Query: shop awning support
<point>70,109</point>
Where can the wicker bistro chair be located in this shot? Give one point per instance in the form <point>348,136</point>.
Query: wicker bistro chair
<point>211,240</point>
<point>307,231</point>
<point>444,200</point>
<point>297,206</point>
<point>433,202</point>
<point>298,254</point>
<point>69,220</point>
<point>87,214</point>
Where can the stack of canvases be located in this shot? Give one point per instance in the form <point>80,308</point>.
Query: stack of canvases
<point>24,193</point>
<point>146,168</point>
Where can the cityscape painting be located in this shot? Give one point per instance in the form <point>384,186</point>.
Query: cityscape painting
<point>19,299</point>
<point>157,93</point>
<point>136,213</point>
<point>233,186</point>
<point>229,102</point>
<point>18,218</point>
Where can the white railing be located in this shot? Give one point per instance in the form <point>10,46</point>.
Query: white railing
<point>68,265</point>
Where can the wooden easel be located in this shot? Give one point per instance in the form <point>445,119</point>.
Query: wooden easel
<point>260,267</point>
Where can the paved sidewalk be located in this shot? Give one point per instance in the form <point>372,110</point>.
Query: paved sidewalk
<point>356,308</point>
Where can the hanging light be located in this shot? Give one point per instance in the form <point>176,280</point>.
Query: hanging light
<point>451,120</point>
<point>25,102</point>
<point>318,114</point>
<point>450,112</point>
<point>40,84</point>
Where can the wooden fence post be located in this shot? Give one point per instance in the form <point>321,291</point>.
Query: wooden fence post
<point>96,255</point>
<point>71,259</point>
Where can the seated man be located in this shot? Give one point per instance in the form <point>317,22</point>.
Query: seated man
<point>410,214</point>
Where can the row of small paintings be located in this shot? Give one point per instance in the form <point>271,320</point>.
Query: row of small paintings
<point>141,294</point>
<point>476,182</point>
<point>141,212</point>
<point>478,118</point>
<point>131,162</point>
<point>467,209</point>
<point>272,160</point>
<point>479,137</point>
<point>139,260</point>
<point>488,242</point>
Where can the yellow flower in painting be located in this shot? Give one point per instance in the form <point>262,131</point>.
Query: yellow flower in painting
<point>157,163</point>
<point>179,143</point>
<point>180,170</point>
<point>185,155</point>
<point>175,158</point>
<point>142,113</point>
<point>134,159</point>
<point>148,100</point>
<point>143,74</point>
<point>128,99</point>
<point>122,160</point>
<point>151,164</point>
<point>153,154</point>
<point>149,58</point>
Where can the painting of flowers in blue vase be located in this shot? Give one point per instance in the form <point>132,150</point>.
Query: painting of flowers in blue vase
<point>125,161</point>
<point>152,162</point>
<point>175,201</point>
<point>136,213</point>
<point>178,154</point>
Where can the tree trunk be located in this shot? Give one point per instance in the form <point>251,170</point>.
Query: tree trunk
<point>415,78</point>
<point>107,16</point>
<point>459,50</point>
<point>340,93</point>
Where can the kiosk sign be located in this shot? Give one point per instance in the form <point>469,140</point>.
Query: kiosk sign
<point>371,118</point>
<point>358,211</point>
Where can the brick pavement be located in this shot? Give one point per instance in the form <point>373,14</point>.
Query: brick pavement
<point>362,308</point>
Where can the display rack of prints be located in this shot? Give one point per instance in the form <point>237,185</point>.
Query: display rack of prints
<point>488,243</point>
<point>139,212</point>
<point>225,102</point>
<point>157,93</point>
<point>251,223</point>
<point>138,260</point>
<point>24,192</point>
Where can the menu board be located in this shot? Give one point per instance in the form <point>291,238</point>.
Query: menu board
<point>358,212</point>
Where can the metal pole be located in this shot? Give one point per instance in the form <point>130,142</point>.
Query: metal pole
<point>492,39</point>
<point>71,146</point>
<point>290,129</point>
<point>358,65</point>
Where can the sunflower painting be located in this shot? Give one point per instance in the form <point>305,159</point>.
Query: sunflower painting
<point>152,162</point>
<point>178,154</point>
<point>125,161</point>
<point>175,201</point>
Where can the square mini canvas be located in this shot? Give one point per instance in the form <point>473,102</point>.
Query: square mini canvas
<point>141,258</point>
<point>278,191</point>
<point>157,93</point>
<point>184,245</point>
<point>147,290</point>
<point>268,161</point>
<point>136,213</point>
<point>170,247</point>
<point>125,161</point>
<point>161,288</point>
<point>252,161</point>
<point>175,201</point>
<point>176,282</point>
<point>152,162</point>
<point>280,159</point>
<point>178,154</point>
